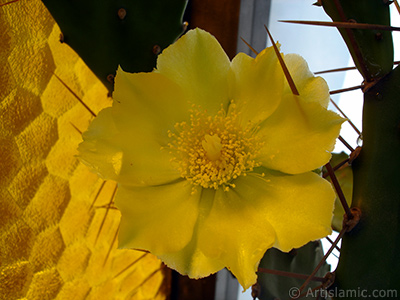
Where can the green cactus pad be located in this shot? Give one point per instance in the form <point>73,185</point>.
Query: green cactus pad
<point>369,256</point>
<point>372,50</point>
<point>301,261</point>
<point>109,33</point>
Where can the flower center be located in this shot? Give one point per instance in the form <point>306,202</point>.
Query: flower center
<point>213,151</point>
<point>212,145</point>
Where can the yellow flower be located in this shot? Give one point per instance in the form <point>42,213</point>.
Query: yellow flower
<point>214,157</point>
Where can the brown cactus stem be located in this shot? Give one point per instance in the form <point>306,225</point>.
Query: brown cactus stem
<point>353,88</point>
<point>285,69</point>
<point>397,5</point>
<point>371,49</point>
<point>76,96</point>
<point>344,142</point>
<point>9,2</point>
<point>345,116</point>
<point>349,25</point>
<point>330,241</point>
<point>338,238</point>
<point>338,190</point>
<point>343,69</point>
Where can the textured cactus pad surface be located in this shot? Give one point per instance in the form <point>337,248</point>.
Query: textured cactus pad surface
<point>58,226</point>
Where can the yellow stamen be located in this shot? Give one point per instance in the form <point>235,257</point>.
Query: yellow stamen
<point>213,151</point>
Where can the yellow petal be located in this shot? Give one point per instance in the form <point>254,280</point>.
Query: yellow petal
<point>235,233</point>
<point>257,85</point>
<point>124,143</point>
<point>159,218</point>
<point>199,65</point>
<point>97,150</point>
<point>312,89</point>
<point>228,233</point>
<point>191,260</point>
<point>151,100</point>
<point>298,207</point>
<point>299,136</point>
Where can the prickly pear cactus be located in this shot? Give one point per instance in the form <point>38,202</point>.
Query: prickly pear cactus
<point>110,33</point>
<point>300,261</point>
<point>57,223</point>
<point>131,33</point>
<point>371,49</point>
<point>369,263</point>
<point>58,226</point>
<point>369,260</point>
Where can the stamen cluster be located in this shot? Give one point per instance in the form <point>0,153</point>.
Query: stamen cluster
<point>212,151</point>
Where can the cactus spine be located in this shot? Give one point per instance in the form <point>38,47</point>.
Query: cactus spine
<point>369,259</point>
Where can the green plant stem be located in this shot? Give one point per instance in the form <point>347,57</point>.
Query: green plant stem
<point>369,258</point>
